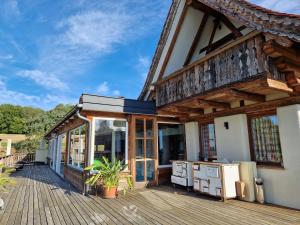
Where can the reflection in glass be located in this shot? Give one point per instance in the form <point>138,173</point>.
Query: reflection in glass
<point>110,139</point>
<point>139,128</point>
<point>149,128</point>
<point>139,151</point>
<point>149,148</point>
<point>140,171</point>
<point>150,170</point>
<point>171,143</point>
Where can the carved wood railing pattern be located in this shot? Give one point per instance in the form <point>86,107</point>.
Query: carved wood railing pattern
<point>241,62</point>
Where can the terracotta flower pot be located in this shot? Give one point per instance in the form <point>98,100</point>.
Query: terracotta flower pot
<point>109,192</point>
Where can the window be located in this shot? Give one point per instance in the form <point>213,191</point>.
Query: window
<point>171,143</point>
<point>110,139</point>
<point>144,149</point>
<point>265,140</point>
<point>208,150</point>
<point>77,147</point>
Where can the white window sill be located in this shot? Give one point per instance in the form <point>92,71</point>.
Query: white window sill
<point>75,168</point>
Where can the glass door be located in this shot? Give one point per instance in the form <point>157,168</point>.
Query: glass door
<point>145,151</point>
<point>61,154</point>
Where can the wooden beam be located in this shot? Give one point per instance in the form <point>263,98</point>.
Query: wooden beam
<point>285,65</point>
<point>216,24</point>
<point>174,39</point>
<point>222,41</point>
<point>189,110</point>
<point>204,8</point>
<point>253,108</point>
<point>214,104</point>
<point>246,95</point>
<point>292,79</point>
<point>279,86</point>
<point>165,112</point>
<point>196,39</point>
<point>274,50</point>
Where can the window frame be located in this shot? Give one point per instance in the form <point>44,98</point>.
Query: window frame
<point>69,147</point>
<point>201,140</point>
<point>252,151</point>
<point>92,148</point>
<point>157,146</point>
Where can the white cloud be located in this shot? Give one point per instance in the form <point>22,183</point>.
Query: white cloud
<point>280,5</point>
<point>43,79</point>
<point>19,98</point>
<point>103,88</point>
<point>9,9</point>
<point>142,66</point>
<point>116,93</point>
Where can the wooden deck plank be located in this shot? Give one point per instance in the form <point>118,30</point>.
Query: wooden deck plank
<point>41,197</point>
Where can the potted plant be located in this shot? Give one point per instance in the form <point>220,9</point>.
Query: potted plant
<point>5,181</point>
<point>109,174</point>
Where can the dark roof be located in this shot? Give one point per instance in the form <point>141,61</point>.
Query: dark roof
<point>97,103</point>
<point>259,18</point>
<point>118,105</point>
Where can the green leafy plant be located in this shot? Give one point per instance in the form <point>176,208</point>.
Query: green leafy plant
<point>108,173</point>
<point>5,179</point>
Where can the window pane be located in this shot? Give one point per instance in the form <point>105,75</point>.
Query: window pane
<point>265,139</point>
<point>63,154</point>
<point>72,137</point>
<point>110,139</point>
<point>149,148</point>
<point>140,171</point>
<point>150,170</point>
<point>139,148</point>
<point>82,146</point>
<point>208,149</point>
<point>171,143</point>
<point>76,147</point>
<point>139,128</point>
<point>149,128</point>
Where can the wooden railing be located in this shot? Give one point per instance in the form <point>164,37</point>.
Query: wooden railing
<point>239,61</point>
<point>11,160</point>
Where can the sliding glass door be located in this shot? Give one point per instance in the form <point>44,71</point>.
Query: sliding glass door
<point>145,150</point>
<point>61,154</point>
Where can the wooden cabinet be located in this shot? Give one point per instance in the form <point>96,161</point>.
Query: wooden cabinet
<point>216,179</point>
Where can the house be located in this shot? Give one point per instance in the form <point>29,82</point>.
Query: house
<point>225,79</point>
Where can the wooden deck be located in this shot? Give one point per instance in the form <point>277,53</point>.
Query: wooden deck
<point>41,197</point>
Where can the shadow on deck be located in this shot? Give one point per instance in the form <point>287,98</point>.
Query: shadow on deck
<point>41,197</point>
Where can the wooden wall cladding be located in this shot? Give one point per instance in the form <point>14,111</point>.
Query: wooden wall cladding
<point>238,63</point>
<point>75,177</point>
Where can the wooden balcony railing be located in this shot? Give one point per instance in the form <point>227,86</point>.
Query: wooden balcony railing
<point>237,62</point>
<point>11,160</point>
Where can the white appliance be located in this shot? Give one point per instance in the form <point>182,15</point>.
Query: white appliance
<point>182,173</point>
<point>216,179</point>
<point>248,173</point>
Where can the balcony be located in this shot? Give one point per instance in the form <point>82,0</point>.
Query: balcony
<point>237,70</point>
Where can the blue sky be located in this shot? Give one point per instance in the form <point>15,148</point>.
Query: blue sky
<point>51,51</point>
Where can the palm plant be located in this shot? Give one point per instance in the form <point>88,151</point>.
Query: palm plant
<point>109,173</point>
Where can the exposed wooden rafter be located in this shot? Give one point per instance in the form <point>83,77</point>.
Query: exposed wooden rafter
<point>204,8</point>
<point>216,25</point>
<point>196,39</point>
<point>213,104</point>
<point>165,112</point>
<point>246,95</point>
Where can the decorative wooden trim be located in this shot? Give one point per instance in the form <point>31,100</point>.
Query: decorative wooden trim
<point>174,39</point>
<point>196,39</point>
<point>208,56</point>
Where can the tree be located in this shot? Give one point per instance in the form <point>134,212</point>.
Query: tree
<point>33,122</point>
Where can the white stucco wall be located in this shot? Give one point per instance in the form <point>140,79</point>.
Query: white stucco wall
<point>192,141</point>
<point>184,40</point>
<point>232,144</point>
<point>282,186</point>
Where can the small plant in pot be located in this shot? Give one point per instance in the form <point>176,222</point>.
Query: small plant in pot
<point>109,174</point>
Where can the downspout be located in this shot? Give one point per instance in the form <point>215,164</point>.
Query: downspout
<point>86,187</point>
